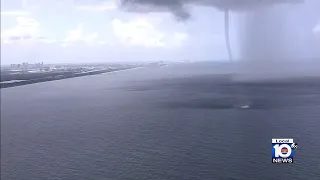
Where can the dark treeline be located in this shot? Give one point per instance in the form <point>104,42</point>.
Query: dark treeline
<point>32,78</point>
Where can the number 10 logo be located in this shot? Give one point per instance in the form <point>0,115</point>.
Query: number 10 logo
<point>283,150</point>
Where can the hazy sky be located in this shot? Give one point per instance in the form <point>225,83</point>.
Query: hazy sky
<point>55,31</point>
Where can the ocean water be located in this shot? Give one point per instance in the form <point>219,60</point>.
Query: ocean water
<point>162,123</point>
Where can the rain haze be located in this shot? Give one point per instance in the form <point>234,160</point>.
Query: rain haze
<point>273,35</point>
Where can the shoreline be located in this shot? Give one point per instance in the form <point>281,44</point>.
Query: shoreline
<point>59,77</point>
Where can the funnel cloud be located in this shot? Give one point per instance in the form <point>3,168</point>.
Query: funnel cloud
<point>269,43</point>
<point>180,7</point>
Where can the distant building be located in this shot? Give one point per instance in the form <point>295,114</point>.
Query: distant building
<point>38,65</point>
<point>15,66</point>
<point>25,65</point>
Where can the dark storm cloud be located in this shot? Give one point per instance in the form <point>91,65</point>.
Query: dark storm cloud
<point>178,7</point>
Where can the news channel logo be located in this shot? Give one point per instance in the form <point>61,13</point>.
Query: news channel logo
<point>283,150</point>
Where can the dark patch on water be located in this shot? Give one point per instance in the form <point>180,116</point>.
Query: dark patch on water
<point>168,128</point>
<point>220,92</point>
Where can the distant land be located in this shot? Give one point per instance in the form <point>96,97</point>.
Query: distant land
<point>25,73</point>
